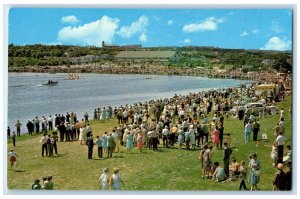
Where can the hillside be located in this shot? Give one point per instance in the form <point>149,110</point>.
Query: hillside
<point>190,56</point>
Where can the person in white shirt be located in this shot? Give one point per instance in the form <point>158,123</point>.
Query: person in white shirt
<point>165,135</point>
<point>280,142</point>
<point>44,144</point>
<point>50,123</point>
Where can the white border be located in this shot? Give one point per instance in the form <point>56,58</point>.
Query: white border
<point>145,3</point>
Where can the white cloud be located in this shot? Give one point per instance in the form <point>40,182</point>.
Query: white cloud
<point>275,43</point>
<point>209,24</point>
<point>92,33</point>
<point>243,34</point>
<point>69,19</point>
<point>170,22</point>
<point>255,31</point>
<point>186,41</point>
<point>143,37</point>
<point>276,27</point>
<point>135,28</point>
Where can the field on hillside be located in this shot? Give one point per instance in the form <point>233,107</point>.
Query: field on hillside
<point>169,169</point>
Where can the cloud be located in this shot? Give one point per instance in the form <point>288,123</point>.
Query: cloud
<point>136,27</point>
<point>170,22</point>
<point>275,43</point>
<point>255,31</point>
<point>69,19</point>
<point>276,27</point>
<point>54,43</point>
<point>186,41</point>
<point>209,24</point>
<point>243,34</point>
<point>92,33</point>
<point>143,37</point>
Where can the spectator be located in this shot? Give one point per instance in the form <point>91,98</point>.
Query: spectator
<point>104,179</point>
<point>36,185</point>
<point>115,180</point>
<point>279,180</point>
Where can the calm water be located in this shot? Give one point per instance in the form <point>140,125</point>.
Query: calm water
<point>27,97</point>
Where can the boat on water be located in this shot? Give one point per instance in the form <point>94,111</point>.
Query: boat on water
<point>51,83</point>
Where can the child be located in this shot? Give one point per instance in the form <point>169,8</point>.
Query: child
<point>228,139</point>
<point>243,174</point>
<point>273,154</point>
<point>12,158</point>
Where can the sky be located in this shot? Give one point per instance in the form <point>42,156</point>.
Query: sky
<point>265,29</point>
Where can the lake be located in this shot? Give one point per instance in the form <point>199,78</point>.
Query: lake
<point>28,97</point>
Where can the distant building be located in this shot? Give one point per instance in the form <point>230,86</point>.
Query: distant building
<point>147,56</point>
<point>83,59</point>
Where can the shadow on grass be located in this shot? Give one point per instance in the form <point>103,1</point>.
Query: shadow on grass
<point>19,170</point>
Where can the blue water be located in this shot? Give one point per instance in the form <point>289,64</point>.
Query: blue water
<point>28,97</point>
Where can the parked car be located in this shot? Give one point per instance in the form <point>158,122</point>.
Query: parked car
<point>256,107</point>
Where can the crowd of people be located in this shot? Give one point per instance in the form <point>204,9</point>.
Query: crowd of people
<point>181,121</point>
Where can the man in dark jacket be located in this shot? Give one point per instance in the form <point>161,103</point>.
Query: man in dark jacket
<point>90,144</point>
<point>226,158</point>
<point>30,127</point>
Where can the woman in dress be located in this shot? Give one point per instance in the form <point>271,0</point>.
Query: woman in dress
<point>192,136</point>
<point>104,179</point>
<point>104,138</point>
<point>180,137</point>
<point>129,142</point>
<point>254,166</point>
<point>140,143</point>
<point>115,180</point>
<point>273,154</point>
<point>215,137</point>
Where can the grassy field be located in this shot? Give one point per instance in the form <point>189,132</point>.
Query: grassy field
<point>168,169</point>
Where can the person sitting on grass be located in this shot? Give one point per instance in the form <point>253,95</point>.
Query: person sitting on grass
<point>36,185</point>
<point>219,174</point>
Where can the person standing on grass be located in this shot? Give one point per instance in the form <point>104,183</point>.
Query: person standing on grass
<point>13,138</point>
<point>44,144</point>
<point>110,145</point>
<point>30,127</point>
<point>99,142</point>
<point>140,143</point>
<point>280,142</point>
<point>248,129</point>
<point>165,135</point>
<point>243,175</point>
<point>8,132</point>
<point>254,166</point>
<point>256,129</point>
<point>115,180</point>
<point>226,158</point>
<point>37,125</point>
<point>18,127</point>
<point>129,142</point>
<point>55,140</point>
<point>90,144</point>
<point>104,179</point>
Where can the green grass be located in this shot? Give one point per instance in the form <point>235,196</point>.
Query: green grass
<point>168,169</point>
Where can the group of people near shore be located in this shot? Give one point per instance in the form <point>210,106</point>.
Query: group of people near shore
<point>182,119</point>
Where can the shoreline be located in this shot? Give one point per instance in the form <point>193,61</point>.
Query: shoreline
<point>137,69</point>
